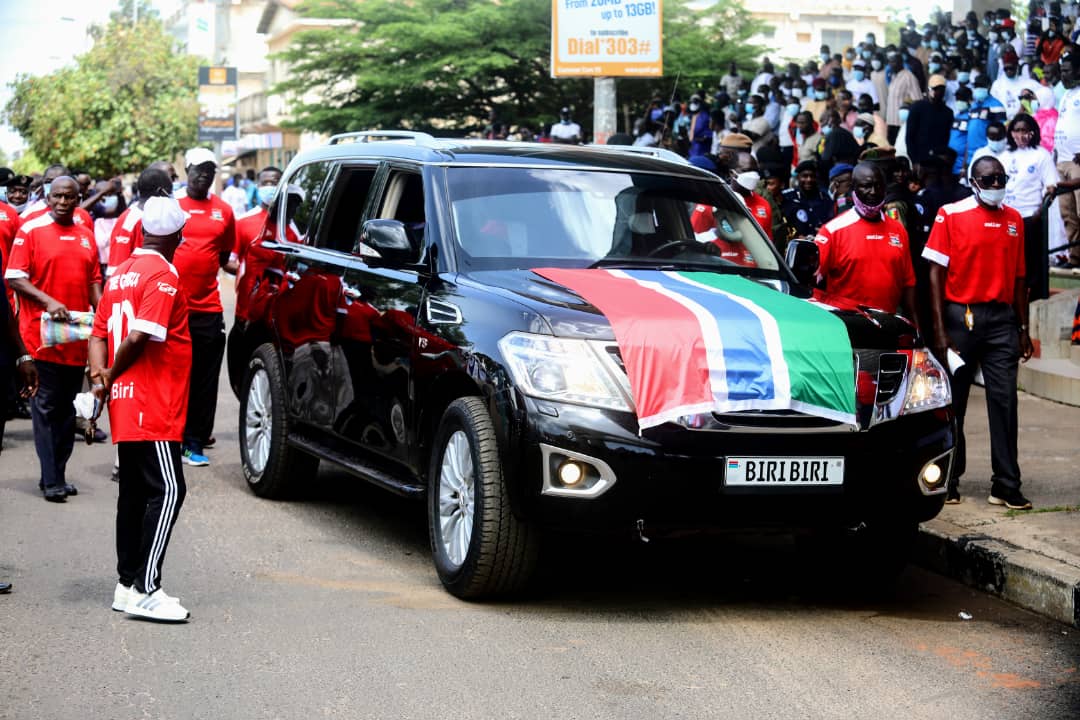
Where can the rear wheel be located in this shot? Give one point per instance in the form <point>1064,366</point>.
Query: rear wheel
<point>270,465</point>
<point>480,547</point>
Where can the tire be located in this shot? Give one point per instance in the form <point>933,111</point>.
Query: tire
<point>270,465</point>
<point>481,549</point>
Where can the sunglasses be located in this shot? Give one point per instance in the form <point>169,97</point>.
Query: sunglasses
<point>988,181</point>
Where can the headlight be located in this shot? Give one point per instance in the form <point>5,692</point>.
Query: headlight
<point>927,385</point>
<point>559,369</point>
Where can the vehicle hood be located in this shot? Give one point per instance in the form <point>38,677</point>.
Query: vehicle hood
<point>569,315</point>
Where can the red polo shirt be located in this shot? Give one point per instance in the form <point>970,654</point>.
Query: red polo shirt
<point>251,257</point>
<point>62,261</point>
<point>868,262</point>
<point>983,251</point>
<point>209,233</point>
<point>149,400</point>
<point>702,219</point>
<point>126,237</point>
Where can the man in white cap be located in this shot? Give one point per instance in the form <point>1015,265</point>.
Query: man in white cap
<point>141,326</point>
<point>209,237</point>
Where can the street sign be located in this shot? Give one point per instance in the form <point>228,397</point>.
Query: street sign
<point>217,103</point>
<point>606,38</point>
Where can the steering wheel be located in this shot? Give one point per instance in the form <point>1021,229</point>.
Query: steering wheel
<point>693,245</point>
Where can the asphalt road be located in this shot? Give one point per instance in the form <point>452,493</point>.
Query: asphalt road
<point>328,606</point>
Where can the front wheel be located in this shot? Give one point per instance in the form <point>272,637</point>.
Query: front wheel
<point>270,464</point>
<point>479,546</point>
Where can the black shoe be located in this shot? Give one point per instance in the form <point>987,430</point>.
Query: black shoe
<point>55,494</point>
<point>1012,499</point>
<point>71,490</point>
<point>952,496</point>
<point>209,442</point>
<point>5,588</point>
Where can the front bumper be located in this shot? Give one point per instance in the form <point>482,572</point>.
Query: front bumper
<point>673,477</point>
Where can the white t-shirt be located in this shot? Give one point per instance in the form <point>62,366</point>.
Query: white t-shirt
<point>1030,171</point>
<point>236,197</point>
<point>863,87</point>
<point>103,228</point>
<point>1067,131</point>
<point>566,131</point>
<point>1008,92</point>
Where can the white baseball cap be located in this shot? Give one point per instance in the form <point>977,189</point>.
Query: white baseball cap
<point>198,156</point>
<point>162,216</point>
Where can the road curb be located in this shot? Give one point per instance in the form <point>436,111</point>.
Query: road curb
<point>1030,580</point>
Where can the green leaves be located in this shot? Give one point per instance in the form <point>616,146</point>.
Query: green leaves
<point>442,65</point>
<point>130,100</point>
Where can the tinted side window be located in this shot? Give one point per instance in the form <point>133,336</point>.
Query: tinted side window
<point>304,190</point>
<point>345,207</point>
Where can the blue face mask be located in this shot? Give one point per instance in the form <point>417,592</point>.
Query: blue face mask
<point>904,114</point>
<point>858,75</point>
<point>109,204</point>
<point>826,130</point>
<point>3,193</point>
<point>961,106</point>
<point>266,193</point>
<point>749,108</point>
<point>867,54</point>
<point>45,189</point>
<point>792,109</point>
<point>820,94</point>
<point>177,186</point>
<point>934,67</point>
<point>876,64</point>
<point>859,132</point>
<point>996,146</point>
<point>980,94</point>
<point>963,78</point>
<point>935,44</point>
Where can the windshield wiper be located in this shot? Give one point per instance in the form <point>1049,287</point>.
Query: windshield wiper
<point>720,266</point>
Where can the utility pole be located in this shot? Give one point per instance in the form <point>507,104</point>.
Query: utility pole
<point>605,113</point>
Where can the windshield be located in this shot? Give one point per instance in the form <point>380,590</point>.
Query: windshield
<point>521,218</point>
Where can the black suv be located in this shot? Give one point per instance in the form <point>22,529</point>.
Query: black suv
<point>409,325</point>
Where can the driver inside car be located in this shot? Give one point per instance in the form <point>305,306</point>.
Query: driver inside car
<point>715,227</point>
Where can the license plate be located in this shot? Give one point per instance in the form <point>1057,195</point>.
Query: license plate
<point>784,471</point>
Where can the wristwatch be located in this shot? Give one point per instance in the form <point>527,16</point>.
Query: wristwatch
<point>24,358</point>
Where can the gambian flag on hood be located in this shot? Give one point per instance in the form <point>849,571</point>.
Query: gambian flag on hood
<point>699,342</point>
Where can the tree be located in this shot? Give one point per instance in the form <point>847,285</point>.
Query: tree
<point>444,64</point>
<point>127,102</point>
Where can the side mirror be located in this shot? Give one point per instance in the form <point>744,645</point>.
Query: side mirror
<point>803,258</point>
<point>387,241</point>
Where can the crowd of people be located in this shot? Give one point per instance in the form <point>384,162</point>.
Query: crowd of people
<point>111,300</point>
<point>948,93</point>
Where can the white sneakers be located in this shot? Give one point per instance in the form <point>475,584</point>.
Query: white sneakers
<point>156,606</point>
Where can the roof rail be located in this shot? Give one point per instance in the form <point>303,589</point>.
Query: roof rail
<point>420,138</point>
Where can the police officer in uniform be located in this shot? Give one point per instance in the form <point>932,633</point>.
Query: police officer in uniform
<point>979,310</point>
<point>806,207</point>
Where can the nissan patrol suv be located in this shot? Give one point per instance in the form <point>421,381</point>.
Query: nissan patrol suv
<point>532,337</point>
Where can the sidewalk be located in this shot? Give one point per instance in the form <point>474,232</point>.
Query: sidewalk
<point>1031,558</point>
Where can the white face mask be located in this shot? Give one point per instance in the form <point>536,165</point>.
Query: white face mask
<point>748,180</point>
<point>876,64</point>
<point>993,196</point>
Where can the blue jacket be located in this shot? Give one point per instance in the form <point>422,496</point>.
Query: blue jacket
<point>980,114</point>
<point>958,141</point>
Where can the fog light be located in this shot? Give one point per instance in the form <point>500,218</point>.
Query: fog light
<point>932,475</point>
<point>570,473</point>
